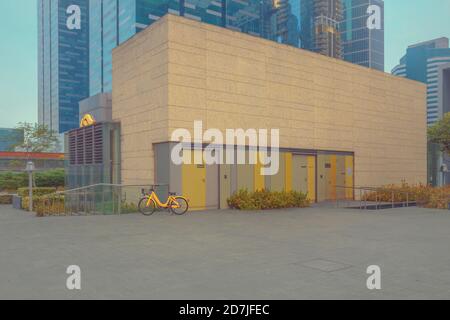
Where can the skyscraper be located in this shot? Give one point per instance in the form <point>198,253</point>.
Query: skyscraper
<point>362,33</point>
<point>421,63</point>
<point>429,62</point>
<point>320,26</point>
<point>9,138</point>
<point>115,21</point>
<point>76,38</point>
<point>280,20</point>
<point>63,78</point>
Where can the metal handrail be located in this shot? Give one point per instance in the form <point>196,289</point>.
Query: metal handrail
<point>377,199</point>
<point>108,185</point>
<point>96,198</point>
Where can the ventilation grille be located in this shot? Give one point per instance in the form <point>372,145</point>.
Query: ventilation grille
<point>86,145</point>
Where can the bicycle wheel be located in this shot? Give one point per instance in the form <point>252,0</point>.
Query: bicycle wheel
<point>147,210</point>
<point>179,206</point>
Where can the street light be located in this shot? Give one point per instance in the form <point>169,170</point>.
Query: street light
<point>444,170</point>
<point>30,168</point>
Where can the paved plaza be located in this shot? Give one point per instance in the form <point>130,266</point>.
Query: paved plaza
<point>316,253</point>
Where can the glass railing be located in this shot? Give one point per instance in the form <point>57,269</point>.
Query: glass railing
<point>99,199</point>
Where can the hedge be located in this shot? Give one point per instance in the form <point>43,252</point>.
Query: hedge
<point>5,199</point>
<point>53,205</point>
<point>265,200</point>
<point>424,195</point>
<point>24,192</point>
<point>11,181</point>
<point>51,178</point>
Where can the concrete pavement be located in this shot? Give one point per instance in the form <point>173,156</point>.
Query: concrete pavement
<point>316,253</point>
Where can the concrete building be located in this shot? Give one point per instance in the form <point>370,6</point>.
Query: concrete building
<point>98,106</point>
<point>421,63</point>
<point>320,22</point>
<point>63,65</point>
<point>428,62</point>
<point>113,22</point>
<point>340,124</point>
<point>9,138</point>
<point>362,45</point>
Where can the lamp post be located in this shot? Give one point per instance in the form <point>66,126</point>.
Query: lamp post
<point>444,170</point>
<point>29,169</point>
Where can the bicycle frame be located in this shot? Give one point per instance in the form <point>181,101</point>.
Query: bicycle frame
<point>154,197</point>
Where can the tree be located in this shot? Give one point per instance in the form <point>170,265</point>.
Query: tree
<point>37,138</point>
<point>439,133</point>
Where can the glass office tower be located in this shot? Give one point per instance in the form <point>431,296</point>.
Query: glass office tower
<point>320,23</point>
<point>361,45</point>
<point>111,23</point>
<point>63,78</point>
<point>429,62</point>
<point>421,63</point>
<point>114,21</point>
<point>9,138</point>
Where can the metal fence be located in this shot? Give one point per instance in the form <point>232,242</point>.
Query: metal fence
<point>374,198</point>
<point>99,199</point>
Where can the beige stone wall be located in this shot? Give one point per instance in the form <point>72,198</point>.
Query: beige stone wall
<point>140,95</point>
<point>179,70</point>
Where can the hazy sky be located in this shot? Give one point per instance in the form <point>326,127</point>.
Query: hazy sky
<point>406,22</point>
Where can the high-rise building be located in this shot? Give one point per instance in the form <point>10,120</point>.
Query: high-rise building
<point>63,77</point>
<point>75,58</point>
<point>421,63</point>
<point>429,62</point>
<point>114,21</point>
<point>9,138</point>
<point>320,20</point>
<point>280,21</point>
<point>362,33</point>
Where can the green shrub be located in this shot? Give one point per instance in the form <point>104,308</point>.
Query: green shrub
<point>23,192</point>
<point>45,205</point>
<point>265,200</point>
<point>53,205</point>
<point>26,202</point>
<point>5,199</point>
<point>424,195</point>
<point>51,178</point>
<point>10,181</point>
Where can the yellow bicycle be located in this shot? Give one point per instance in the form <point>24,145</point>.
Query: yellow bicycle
<point>150,203</point>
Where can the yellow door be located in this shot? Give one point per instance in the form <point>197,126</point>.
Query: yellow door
<point>340,178</point>
<point>259,179</point>
<point>194,181</point>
